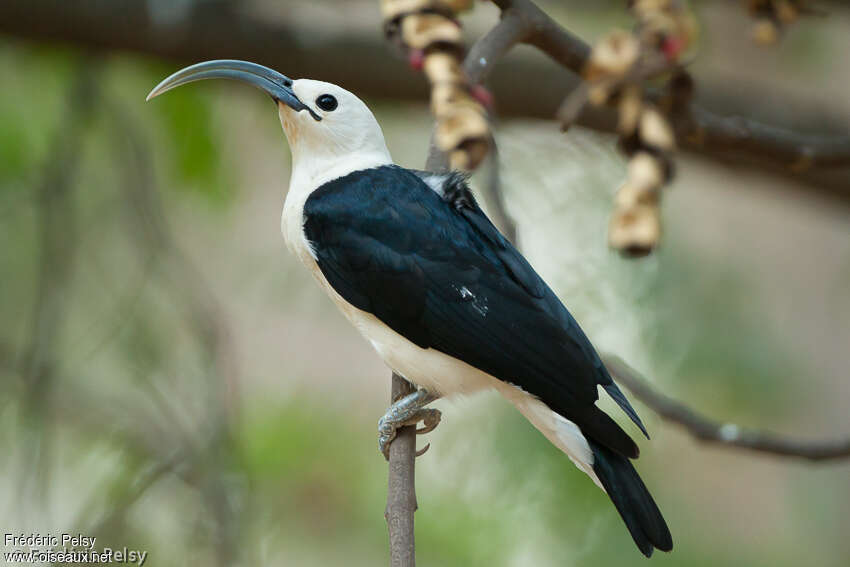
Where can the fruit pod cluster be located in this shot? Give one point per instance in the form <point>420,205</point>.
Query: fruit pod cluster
<point>615,71</point>
<point>646,137</point>
<point>667,26</point>
<point>431,36</point>
<point>773,16</point>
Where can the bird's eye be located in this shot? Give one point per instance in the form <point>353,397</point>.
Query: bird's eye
<point>326,102</point>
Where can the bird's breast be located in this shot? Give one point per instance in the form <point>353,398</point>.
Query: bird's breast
<point>428,368</point>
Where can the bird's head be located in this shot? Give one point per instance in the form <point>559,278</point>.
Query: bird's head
<point>328,128</point>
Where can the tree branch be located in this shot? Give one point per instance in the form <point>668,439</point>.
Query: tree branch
<point>708,430</point>
<point>697,128</point>
<point>401,486</point>
<point>494,196</point>
<point>795,151</point>
<point>214,30</point>
<point>546,34</point>
<point>492,46</point>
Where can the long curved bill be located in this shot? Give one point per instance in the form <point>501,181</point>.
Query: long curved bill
<point>278,86</point>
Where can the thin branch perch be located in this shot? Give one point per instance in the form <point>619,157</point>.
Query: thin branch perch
<point>401,489</point>
<point>709,430</point>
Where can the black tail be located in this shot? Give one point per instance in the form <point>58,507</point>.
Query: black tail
<point>632,499</point>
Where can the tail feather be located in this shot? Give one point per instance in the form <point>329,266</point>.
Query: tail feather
<point>618,396</point>
<point>596,424</point>
<point>632,499</point>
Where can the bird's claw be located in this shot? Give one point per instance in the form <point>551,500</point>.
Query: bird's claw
<point>407,411</point>
<point>387,428</point>
<point>386,433</point>
<point>430,418</point>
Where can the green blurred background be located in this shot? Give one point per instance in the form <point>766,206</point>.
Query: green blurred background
<point>172,381</point>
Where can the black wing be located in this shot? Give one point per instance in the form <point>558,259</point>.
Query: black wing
<point>437,271</point>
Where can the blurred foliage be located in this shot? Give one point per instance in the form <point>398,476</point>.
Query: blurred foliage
<point>30,106</point>
<point>156,431</point>
<point>725,377</point>
<point>187,122</point>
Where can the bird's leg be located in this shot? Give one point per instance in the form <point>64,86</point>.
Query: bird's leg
<point>409,410</point>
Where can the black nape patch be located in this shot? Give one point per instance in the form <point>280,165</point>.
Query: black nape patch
<point>456,191</point>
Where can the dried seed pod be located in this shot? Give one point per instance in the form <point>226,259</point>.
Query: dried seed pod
<point>666,25</point>
<point>645,172</point>
<point>458,6</point>
<point>469,155</point>
<point>613,55</point>
<point>655,131</point>
<point>772,16</point>
<point>631,103</point>
<point>442,67</point>
<point>421,31</point>
<point>656,26</point>
<point>462,124</point>
<point>618,65</point>
<point>427,30</point>
<point>630,195</point>
<point>392,9</point>
<point>443,97</point>
<point>446,98</point>
<point>635,231</point>
<point>641,7</point>
<point>599,92</point>
<point>635,227</point>
<point>765,31</point>
<point>786,12</point>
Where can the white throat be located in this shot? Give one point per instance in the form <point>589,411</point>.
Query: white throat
<point>314,163</point>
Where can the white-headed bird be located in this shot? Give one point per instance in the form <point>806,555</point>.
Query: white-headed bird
<point>449,304</point>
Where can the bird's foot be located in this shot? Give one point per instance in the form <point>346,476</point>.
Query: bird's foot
<point>409,410</point>
<point>387,428</point>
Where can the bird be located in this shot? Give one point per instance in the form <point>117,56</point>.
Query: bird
<point>448,303</point>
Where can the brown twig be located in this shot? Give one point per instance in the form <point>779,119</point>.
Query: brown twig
<point>401,486</point>
<point>494,196</point>
<point>492,46</point>
<point>733,134</point>
<point>544,33</point>
<point>709,430</point>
